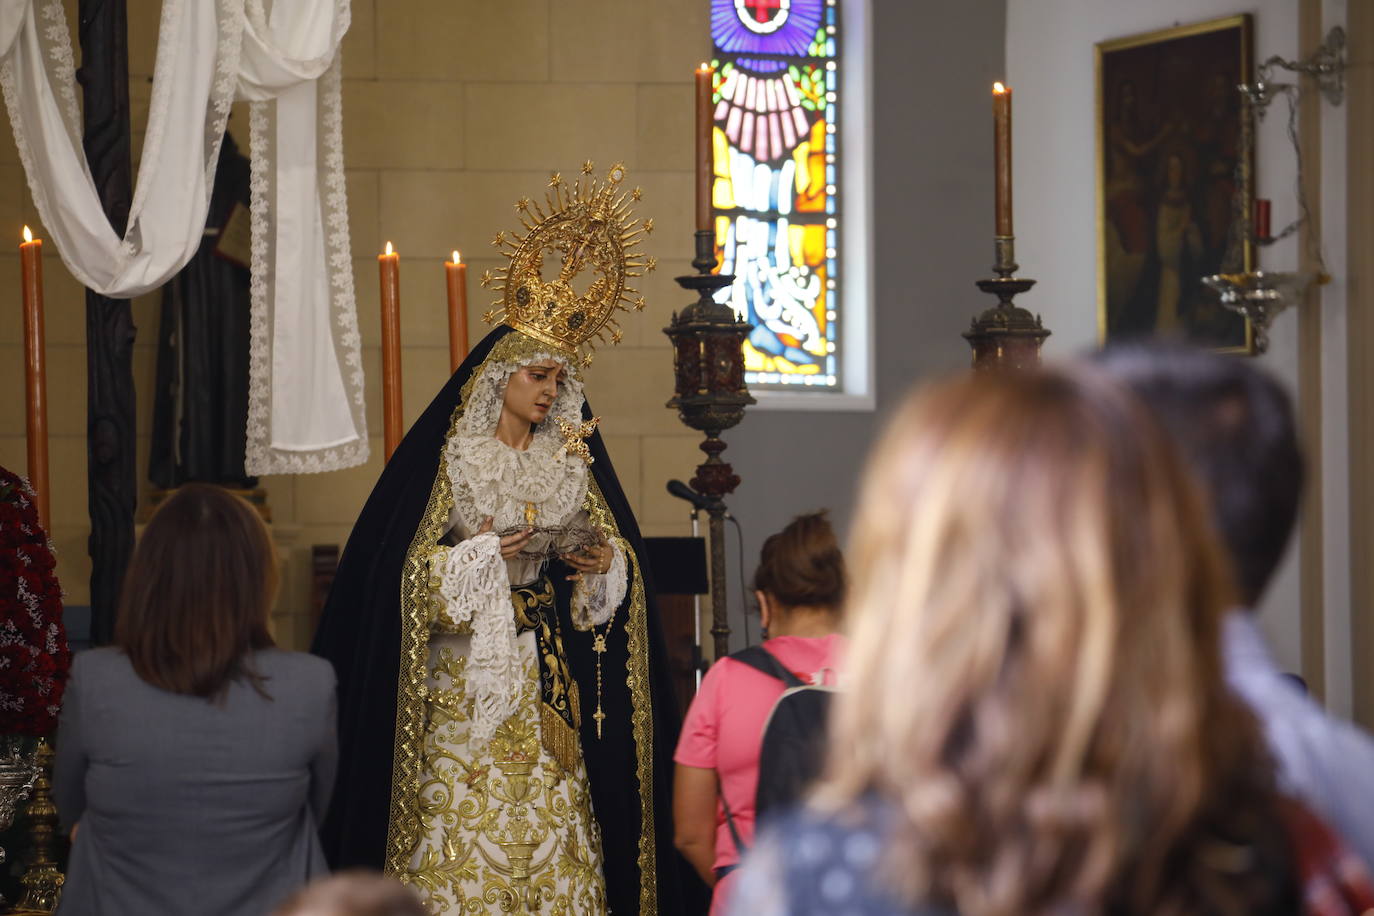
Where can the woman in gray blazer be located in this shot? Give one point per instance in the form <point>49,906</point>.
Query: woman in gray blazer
<point>194,759</point>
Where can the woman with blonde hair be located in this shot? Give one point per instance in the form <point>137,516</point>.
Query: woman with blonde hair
<point>1035,719</point>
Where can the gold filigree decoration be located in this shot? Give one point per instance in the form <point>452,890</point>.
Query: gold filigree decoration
<point>585,228</point>
<point>504,831</point>
<point>403,824</point>
<point>575,437</point>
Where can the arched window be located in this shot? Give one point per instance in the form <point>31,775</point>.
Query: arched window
<point>784,203</point>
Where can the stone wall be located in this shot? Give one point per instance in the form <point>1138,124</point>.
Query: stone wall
<point>453,109</point>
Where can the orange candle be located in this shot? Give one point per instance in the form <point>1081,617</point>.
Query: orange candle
<point>389,267</point>
<point>1001,141</point>
<point>35,372</point>
<point>705,157</point>
<point>456,272</point>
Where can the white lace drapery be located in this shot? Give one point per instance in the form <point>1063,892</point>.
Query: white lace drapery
<point>491,480</point>
<point>472,581</point>
<point>306,383</point>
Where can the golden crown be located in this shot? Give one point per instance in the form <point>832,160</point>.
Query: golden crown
<point>590,229</point>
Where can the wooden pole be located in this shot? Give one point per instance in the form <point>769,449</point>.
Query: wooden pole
<point>389,269</point>
<point>110,331</point>
<point>35,374</point>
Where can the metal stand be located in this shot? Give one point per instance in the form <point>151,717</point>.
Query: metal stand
<point>1006,336</point>
<point>711,396</point>
<point>697,656</point>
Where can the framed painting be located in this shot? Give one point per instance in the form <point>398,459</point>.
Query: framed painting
<point>1168,156</point>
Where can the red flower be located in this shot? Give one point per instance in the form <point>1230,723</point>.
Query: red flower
<point>34,656</point>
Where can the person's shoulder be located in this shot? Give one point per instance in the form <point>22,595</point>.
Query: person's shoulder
<point>297,667</point>
<point>99,664</point>
<point>828,861</point>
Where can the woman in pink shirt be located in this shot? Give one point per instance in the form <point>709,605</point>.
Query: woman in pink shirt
<point>799,585</point>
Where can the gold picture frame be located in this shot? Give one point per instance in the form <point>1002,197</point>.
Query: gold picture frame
<point>1168,158</point>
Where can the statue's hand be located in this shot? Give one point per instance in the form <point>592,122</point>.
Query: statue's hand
<point>511,544</point>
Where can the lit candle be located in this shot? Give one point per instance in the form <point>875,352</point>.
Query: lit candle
<point>1001,133</point>
<point>456,273</point>
<point>705,158</point>
<point>1262,219</point>
<point>389,267</point>
<point>35,373</point>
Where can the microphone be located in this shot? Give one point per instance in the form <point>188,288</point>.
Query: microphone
<point>682,491</point>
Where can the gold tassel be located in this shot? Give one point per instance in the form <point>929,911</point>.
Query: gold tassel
<point>559,738</point>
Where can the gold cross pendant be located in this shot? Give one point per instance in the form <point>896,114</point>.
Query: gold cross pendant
<point>598,716</point>
<point>575,437</point>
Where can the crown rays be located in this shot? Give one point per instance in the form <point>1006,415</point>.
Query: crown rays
<point>586,225</point>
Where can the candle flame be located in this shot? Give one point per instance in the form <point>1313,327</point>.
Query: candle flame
<point>388,248</point>
<point>703,66</point>
<point>456,259</point>
<point>28,236</point>
<point>998,88</point>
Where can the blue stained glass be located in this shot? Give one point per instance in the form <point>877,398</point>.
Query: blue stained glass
<point>830,174</point>
<point>772,27</point>
<point>830,205</point>
<point>763,65</point>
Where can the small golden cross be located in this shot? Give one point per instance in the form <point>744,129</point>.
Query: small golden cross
<point>575,437</point>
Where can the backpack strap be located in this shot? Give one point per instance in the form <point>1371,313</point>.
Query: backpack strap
<point>740,848</point>
<point>760,659</point>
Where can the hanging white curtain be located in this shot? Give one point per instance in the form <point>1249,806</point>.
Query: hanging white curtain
<point>305,407</point>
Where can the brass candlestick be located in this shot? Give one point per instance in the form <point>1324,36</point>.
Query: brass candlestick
<point>708,364</point>
<point>1006,336</point>
<point>42,881</point>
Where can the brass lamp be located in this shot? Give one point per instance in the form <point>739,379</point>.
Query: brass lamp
<point>710,396</point>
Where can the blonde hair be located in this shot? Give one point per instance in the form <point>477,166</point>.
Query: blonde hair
<point>1034,677</point>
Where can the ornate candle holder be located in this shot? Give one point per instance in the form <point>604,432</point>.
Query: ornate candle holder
<point>708,364</point>
<point>19,770</point>
<point>42,881</point>
<point>1260,296</point>
<point>1006,336</point>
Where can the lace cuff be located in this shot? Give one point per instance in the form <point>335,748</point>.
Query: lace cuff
<point>472,582</point>
<point>595,597</point>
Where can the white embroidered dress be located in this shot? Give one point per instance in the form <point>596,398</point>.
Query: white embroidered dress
<point>505,826</point>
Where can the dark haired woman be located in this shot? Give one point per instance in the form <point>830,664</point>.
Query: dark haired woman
<point>194,758</point>
<point>799,585</point>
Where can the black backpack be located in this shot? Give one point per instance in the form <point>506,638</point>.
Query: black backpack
<point>793,749</point>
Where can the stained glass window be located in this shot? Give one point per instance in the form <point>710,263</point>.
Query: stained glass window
<point>777,191</point>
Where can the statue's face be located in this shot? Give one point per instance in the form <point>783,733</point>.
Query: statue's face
<point>533,388</point>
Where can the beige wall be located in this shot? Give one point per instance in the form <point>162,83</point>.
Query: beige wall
<point>453,109</point>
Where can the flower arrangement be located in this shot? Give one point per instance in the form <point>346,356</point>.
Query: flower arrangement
<point>34,657</point>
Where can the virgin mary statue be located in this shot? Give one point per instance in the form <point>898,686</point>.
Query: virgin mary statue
<point>505,711</point>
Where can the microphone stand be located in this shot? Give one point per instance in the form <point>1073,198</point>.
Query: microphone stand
<point>697,657</point>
